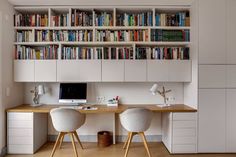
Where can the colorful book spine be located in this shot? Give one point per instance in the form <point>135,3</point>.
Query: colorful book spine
<point>31,20</point>
<point>72,53</point>
<point>170,35</point>
<point>24,36</point>
<point>81,18</point>
<point>170,53</point>
<point>60,20</point>
<point>103,19</point>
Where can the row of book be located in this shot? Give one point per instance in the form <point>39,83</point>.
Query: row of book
<point>31,20</point>
<point>81,18</point>
<point>141,19</point>
<point>59,35</point>
<point>81,53</point>
<point>170,35</point>
<point>103,19</point>
<point>60,20</point>
<point>122,35</point>
<point>161,53</point>
<point>39,53</point>
<point>24,36</point>
<point>173,19</point>
<point>117,53</point>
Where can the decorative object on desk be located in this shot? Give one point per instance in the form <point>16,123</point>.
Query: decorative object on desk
<point>113,102</point>
<point>37,91</point>
<point>155,90</point>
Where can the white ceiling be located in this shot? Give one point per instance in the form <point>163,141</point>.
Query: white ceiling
<point>100,2</point>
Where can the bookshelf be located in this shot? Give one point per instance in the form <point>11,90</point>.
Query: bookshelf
<point>119,41</point>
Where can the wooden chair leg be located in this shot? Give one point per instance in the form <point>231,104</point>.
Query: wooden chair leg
<point>56,144</point>
<point>77,137</point>
<point>145,143</point>
<point>73,144</point>
<point>126,140</point>
<point>62,138</point>
<point>128,144</point>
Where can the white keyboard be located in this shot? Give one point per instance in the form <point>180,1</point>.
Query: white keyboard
<point>72,107</point>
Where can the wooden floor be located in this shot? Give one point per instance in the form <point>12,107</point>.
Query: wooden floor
<point>91,150</point>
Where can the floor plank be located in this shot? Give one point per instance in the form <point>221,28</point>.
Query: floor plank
<point>91,150</point>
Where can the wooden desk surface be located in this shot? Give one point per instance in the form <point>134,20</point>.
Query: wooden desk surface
<point>104,108</point>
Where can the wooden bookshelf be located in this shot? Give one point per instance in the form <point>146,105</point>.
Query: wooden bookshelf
<point>123,27</point>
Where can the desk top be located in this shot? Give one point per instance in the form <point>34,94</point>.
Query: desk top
<point>105,109</point>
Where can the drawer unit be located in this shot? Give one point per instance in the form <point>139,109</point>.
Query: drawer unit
<point>23,134</point>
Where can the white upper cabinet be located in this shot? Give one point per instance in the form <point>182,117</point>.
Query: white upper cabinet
<point>231,32</point>
<point>78,70</point>
<point>212,31</point>
<point>212,119</point>
<point>24,70</point>
<point>180,71</point>
<point>113,70</point>
<point>135,71</point>
<point>45,70</point>
<point>157,70</point>
<point>212,76</point>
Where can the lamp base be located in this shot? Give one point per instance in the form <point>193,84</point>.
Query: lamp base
<point>163,105</point>
<point>36,105</point>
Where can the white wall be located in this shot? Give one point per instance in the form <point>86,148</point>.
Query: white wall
<point>15,95</point>
<point>130,93</point>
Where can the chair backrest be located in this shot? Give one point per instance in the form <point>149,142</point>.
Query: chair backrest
<point>136,119</point>
<point>66,119</point>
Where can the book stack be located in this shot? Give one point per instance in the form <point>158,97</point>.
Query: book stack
<point>60,20</point>
<point>81,53</point>
<point>141,19</point>
<point>122,35</point>
<point>170,35</point>
<point>39,20</point>
<point>81,18</point>
<point>60,35</point>
<point>174,53</point>
<point>24,36</point>
<point>39,53</point>
<point>173,19</point>
<point>103,19</point>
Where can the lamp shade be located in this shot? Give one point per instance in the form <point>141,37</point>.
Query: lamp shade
<point>154,89</point>
<point>41,90</point>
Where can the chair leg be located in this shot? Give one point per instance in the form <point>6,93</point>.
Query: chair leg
<point>62,138</point>
<point>126,140</point>
<point>56,144</point>
<point>77,137</point>
<point>128,144</point>
<point>145,143</point>
<point>73,144</point>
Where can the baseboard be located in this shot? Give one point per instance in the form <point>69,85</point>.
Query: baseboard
<point>3,152</point>
<point>119,138</point>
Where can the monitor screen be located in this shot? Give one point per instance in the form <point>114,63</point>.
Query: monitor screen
<point>73,93</point>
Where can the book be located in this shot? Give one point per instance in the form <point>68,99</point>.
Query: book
<point>81,18</point>
<point>61,20</point>
<point>31,20</point>
<point>103,19</point>
<point>170,35</point>
<point>24,36</point>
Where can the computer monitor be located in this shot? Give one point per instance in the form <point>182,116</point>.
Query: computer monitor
<point>73,93</point>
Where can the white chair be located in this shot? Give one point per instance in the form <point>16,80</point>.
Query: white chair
<point>136,121</point>
<point>66,121</point>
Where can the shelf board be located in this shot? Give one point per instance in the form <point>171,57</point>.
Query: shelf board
<point>36,43</point>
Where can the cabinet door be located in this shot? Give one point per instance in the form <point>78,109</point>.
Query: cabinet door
<point>212,118</point>
<point>135,70</point>
<point>79,71</point>
<point>45,70</point>
<point>157,70</point>
<point>212,76</point>
<point>212,31</point>
<point>180,71</point>
<point>24,70</point>
<point>113,70</point>
<point>230,121</point>
<point>231,31</point>
<point>231,76</point>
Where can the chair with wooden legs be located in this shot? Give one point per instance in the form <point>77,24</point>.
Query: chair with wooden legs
<point>136,121</point>
<point>66,121</point>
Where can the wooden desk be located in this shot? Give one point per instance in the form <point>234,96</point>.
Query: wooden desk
<point>104,108</point>
<point>24,114</point>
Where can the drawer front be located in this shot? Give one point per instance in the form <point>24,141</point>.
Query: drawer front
<point>184,148</point>
<point>19,116</point>
<point>20,149</point>
<point>184,124</point>
<point>20,132</point>
<point>26,140</point>
<point>184,116</point>
<point>188,132</point>
<point>184,140</point>
<point>20,124</point>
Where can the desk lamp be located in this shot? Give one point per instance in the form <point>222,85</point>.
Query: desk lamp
<point>155,90</point>
<point>38,90</point>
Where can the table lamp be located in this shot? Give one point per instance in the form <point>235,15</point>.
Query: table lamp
<point>154,90</point>
<point>38,90</point>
